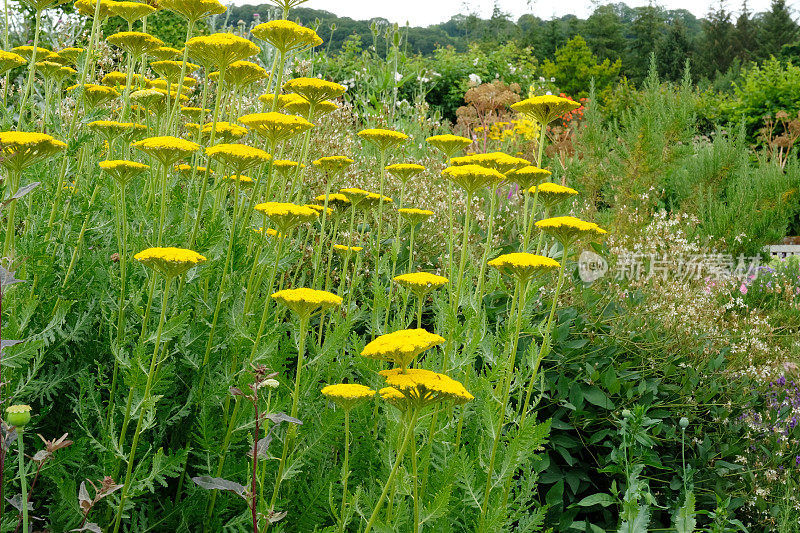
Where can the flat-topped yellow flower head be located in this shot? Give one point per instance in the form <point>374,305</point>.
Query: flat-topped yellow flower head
<point>305,302</point>
<point>95,95</point>
<point>287,215</point>
<point>404,171</point>
<point>528,176</point>
<point>449,144</point>
<point>348,395</point>
<point>551,194</point>
<point>545,109</point>
<point>239,157</point>
<point>28,51</point>
<point>269,233</point>
<point>90,8</point>
<point>219,50</point>
<point>122,171</point>
<point>10,60</point>
<point>276,126</point>
<point>283,99</point>
<point>337,200</point>
<point>224,132</point>
<point>239,180</point>
<point>417,388</point>
<point>166,149</point>
<point>170,262</point>
<point>414,216</point>
<point>382,138</point>
<point>421,283</point>
<point>333,165</point>
<point>164,53</point>
<point>150,99</point>
<point>20,149</point>
<point>354,194</point>
<point>472,178</point>
<point>194,10</point>
<point>284,167</point>
<point>172,87</point>
<point>373,199</point>
<point>314,90</point>
<point>568,229</point>
<point>171,70</point>
<point>194,112</point>
<point>130,11</point>
<point>188,170</point>
<point>401,347</point>
<point>499,161</point>
<point>298,105</point>
<point>111,129</point>
<point>344,250</point>
<point>55,72</point>
<point>286,36</point>
<point>68,55</point>
<point>119,79</point>
<point>524,266</point>
<point>242,73</point>
<point>135,43</point>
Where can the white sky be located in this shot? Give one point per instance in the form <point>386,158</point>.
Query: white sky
<point>427,12</point>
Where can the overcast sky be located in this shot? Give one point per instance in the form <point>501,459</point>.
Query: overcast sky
<point>427,12</point>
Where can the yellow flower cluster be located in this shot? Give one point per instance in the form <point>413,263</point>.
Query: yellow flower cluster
<point>348,395</point>
<point>528,176</point>
<point>298,105</point>
<point>404,171</point>
<point>545,109</point>
<point>169,261</point>
<point>314,90</point>
<point>135,43</point>
<point>111,129</point>
<point>335,199</point>
<point>238,156</point>
<point>473,177</point>
<point>382,138</point>
<point>551,194</point>
<point>276,126</point>
<point>20,149</point>
<point>332,164</point>
<point>524,266</point>
<point>166,149</point>
<point>341,248</point>
<point>10,60</point>
<point>95,95</point>
<point>270,232</point>
<point>287,215</point>
<point>241,73</point>
<point>418,388</point>
<point>194,10</point>
<point>421,283</point>
<point>122,171</point>
<point>285,35</point>
<point>567,229</point>
<point>130,11</point>
<point>449,144</point>
<point>401,347</point>
<point>220,49</point>
<point>305,302</point>
<point>413,215</point>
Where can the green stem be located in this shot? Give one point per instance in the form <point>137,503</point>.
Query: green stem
<point>345,468</point>
<point>464,245</point>
<point>487,247</point>
<point>23,481</point>
<point>31,71</point>
<point>145,400</point>
<point>406,440</point>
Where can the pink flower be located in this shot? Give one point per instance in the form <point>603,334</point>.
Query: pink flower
<point>743,289</point>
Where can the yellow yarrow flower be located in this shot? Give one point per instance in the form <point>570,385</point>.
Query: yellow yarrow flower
<point>54,71</point>
<point>337,200</point>
<point>20,149</point>
<point>298,105</point>
<point>171,70</point>
<point>418,388</point>
<point>545,109</point>
<point>567,229</point>
<point>524,266</point>
<point>10,60</point>
<point>347,395</point>
<point>26,51</point>
<point>95,95</point>
<point>67,56</point>
<point>472,177</point>
<point>287,215</point>
<point>87,8</point>
<point>401,347</point>
<point>270,232</point>
<point>333,164</point>
<point>110,129</point>
<point>130,11</point>
<point>194,10</point>
<point>305,302</point>
<point>239,157</point>
<point>166,149</point>
<point>372,199</point>
<point>194,112</point>
<point>421,283</point>
<point>550,194</point>
<point>414,216</point>
<point>135,43</point>
<point>276,126</point>
<point>320,209</point>
<point>404,171</point>
<point>122,171</point>
<point>499,161</point>
<point>283,99</point>
<point>528,176</point>
<point>164,53</point>
<point>286,36</point>
<point>382,138</point>
<point>170,262</point>
<point>241,73</point>
<point>243,181</point>
<point>449,144</point>
<point>220,49</point>
<point>314,90</point>
<point>119,79</point>
<point>224,132</point>
<point>343,249</point>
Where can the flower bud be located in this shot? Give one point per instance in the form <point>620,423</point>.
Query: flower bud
<point>271,383</point>
<point>684,422</point>
<point>18,415</point>
<point>626,413</point>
